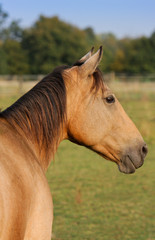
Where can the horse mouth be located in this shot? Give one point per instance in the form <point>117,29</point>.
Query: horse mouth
<point>127,165</point>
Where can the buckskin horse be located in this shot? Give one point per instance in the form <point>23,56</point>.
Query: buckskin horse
<point>70,103</point>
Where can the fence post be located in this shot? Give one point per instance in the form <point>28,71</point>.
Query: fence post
<point>112,77</point>
<point>20,80</point>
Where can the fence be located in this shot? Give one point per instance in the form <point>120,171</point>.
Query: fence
<point>107,77</point>
<point>22,83</point>
<point>135,77</point>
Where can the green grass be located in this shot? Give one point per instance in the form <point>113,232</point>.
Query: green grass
<point>92,199</point>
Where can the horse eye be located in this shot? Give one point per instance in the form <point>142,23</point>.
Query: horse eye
<point>110,99</point>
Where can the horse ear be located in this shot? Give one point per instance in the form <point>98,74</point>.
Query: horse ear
<point>84,58</point>
<point>87,56</point>
<point>90,65</point>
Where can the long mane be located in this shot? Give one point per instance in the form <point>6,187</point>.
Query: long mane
<point>41,111</point>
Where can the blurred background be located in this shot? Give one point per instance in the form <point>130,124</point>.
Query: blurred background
<point>92,200</point>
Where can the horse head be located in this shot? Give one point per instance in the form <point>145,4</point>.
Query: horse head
<point>96,119</point>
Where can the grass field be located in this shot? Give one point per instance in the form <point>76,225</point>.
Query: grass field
<point>92,199</point>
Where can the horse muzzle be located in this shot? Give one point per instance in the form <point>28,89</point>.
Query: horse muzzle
<point>133,159</point>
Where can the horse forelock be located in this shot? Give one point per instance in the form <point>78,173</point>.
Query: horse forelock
<point>98,82</point>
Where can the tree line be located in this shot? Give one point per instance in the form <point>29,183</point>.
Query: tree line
<point>50,42</point>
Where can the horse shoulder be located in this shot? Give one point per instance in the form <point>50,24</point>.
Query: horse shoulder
<point>26,209</point>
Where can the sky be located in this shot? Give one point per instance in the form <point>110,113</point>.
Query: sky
<point>132,18</point>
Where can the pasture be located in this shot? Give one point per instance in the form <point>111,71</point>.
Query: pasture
<point>92,199</point>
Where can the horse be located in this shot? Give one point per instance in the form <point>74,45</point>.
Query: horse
<point>71,103</point>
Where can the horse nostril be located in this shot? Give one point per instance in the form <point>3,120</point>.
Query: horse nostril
<point>144,150</point>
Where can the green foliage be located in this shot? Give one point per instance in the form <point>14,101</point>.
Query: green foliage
<point>13,31</point>
<point>51,42</point>
<point>90,36</point>
<point>3,17</point>
<point>3,62</point>
<point>129,55</point>
<point>110,45</point>
<point>141,57</point>
<point>15,57</point>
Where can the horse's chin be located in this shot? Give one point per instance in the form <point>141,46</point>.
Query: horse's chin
<point>127,166</point>
<point>127,163</point>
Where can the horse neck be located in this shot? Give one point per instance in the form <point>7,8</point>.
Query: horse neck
<point>39,116</point>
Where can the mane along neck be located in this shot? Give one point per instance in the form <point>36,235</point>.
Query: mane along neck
<point>40,114</point>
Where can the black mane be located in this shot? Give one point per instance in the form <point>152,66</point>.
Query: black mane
<point>41,111</point>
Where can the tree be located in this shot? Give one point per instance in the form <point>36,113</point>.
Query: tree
<point>12,56</point>
<point>51,42</point>
<point>3,16</point>
<point>16,57</point>
<point>140,56</point>
<point>110,46</point>
<point>13,31</point>
<point>90,36</point>
<point>3,62</point>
